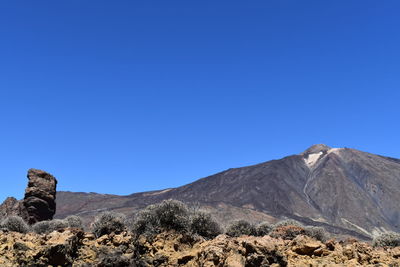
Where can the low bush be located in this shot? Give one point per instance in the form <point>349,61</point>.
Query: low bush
<point>287,232</point>
<point>263,229</point>
<point>318,233</point>
<point>42,227</point>
<point>146,222</point>
<point>74,221</point>
<point>287,222</point>
<point>241,227</point>
<point>45,227</point>
<point>167,215</point>
<point>389,239</point>
<point>203,224</point>
<point>173,215</point>
<point>107,223</point>
<point>57,224</point>
<point>15,224</point>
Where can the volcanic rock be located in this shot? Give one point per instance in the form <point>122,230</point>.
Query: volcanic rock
<point>73,247</point>
<point>39,203</point>
<point>304,245</point>
<point>40,196</point>
<point>10,206</point>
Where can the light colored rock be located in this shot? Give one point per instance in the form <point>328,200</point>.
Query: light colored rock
<point>304,245</point>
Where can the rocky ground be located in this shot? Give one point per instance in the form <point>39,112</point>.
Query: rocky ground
<point>73,247</point>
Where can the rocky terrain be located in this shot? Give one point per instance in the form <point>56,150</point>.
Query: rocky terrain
<point>347,191</point>
<point>39,203</point>
<point>74,247</point>
<point>171,233</point>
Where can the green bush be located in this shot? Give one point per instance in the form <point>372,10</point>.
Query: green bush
<point>318,233</point>
<point>167,215</point>
<point>57,224</point>
<point>389,239</point>
<point>203,224</point>
<point>107,223</point>
<point>146,222</point>
<point>241,227</point>
<point>15,224</point>
<point>74,221</point>
<point>173,215</point>
<point>45,227</point>
<point>42,227</point>
<point>263,229</point>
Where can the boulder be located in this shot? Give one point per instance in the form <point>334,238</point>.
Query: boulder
<point>304,245</point>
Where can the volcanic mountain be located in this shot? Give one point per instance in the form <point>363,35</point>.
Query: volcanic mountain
<point>345,190</point>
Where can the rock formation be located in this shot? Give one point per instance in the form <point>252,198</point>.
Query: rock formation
<point>39,203</point>
<point>10,206</point>
<point>40,196</point>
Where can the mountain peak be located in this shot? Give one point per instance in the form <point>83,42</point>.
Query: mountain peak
<point>315,149</point>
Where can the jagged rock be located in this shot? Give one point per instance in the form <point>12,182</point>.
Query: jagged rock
<point>245,251</point>
<point>10,206</point>
<point>40,196</point>
<point>39,203</point>
<point>304,245</point>
<point>287,232</point>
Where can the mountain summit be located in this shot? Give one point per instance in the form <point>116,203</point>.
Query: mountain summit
<point>346,190</point>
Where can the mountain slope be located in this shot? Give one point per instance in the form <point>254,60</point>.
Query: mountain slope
<point>344,189</point>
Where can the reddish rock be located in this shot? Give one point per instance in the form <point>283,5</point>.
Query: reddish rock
<point>39,203</point>
<point>287,232</point>
<point>40,196</point>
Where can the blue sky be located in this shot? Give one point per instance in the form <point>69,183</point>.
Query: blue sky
<point>127,96</point>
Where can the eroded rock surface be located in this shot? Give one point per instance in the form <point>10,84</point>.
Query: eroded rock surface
<point>40,196</point>
<point>39,203</point>
<point>73,247</point>
<point>10,206</point>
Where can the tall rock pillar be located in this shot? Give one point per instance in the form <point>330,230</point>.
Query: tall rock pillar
<point>39,203</point>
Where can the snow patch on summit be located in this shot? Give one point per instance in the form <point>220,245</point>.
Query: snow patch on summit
<point>312,159</point>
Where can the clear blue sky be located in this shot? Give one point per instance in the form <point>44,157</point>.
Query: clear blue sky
<point>127,96</point>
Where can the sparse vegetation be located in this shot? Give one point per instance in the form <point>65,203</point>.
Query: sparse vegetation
<point>146,222</point>
<point>74,221</point>
<point>286,223</point>
<point>390,239</point>
<point>173,215</point>
<point>287,229</point>
<point>241,227</point>
<point>42,227</point>
<point>203,224</point>
<point>318,233</point>
<point>45,227</point>
<point>107,223</point>
<point>263,229</point>
<point>15,224</point>
<point>167,215</point>
<point>287,232</point>
<point>57,224</point>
